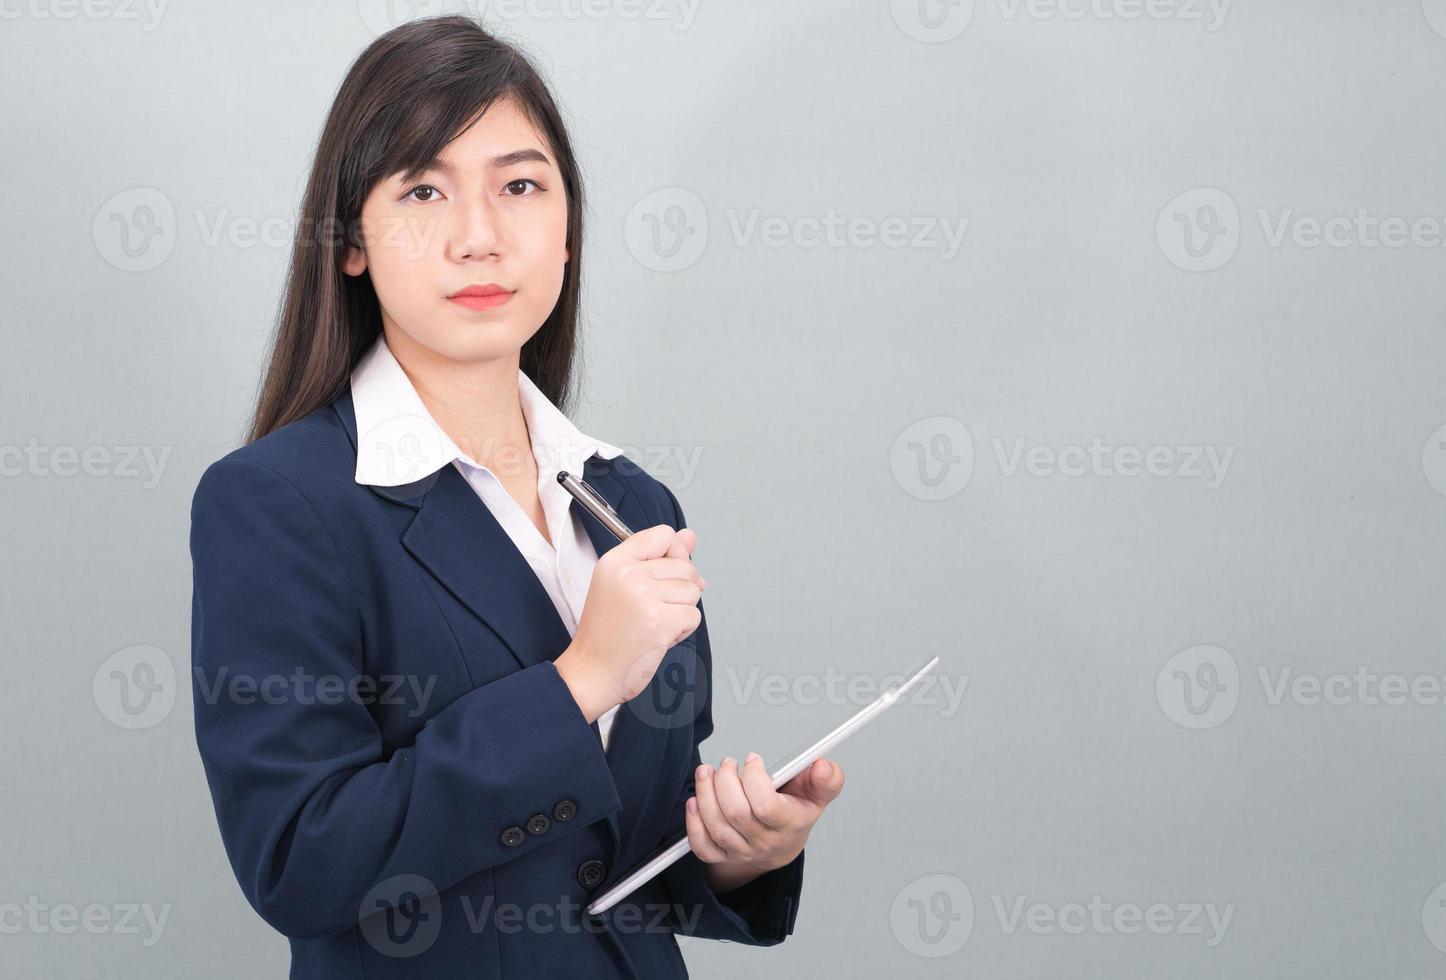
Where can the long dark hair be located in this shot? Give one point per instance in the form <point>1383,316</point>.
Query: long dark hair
<point>408,95</point>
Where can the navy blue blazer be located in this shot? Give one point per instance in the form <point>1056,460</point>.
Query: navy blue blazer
<point>404,785</point>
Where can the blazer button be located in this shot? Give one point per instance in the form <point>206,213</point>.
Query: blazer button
<point>565,810</point>
<point>512,836</point>
<point>538,824</point>
<point>591,873</point>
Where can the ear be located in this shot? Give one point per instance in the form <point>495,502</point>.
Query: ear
<point>355,261</point>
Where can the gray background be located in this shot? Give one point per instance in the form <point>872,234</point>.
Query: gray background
<point>850,413</point>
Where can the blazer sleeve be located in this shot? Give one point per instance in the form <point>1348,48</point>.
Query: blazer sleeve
<point>313,811</point>
<point>759,913</point>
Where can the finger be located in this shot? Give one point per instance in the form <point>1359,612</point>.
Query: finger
<point>719,829</point>
<point>675,568</point>
<point>699,839</point>
<point>683,593</point>
<point>733,801</point>
<point>683,543</point>
<point>819,784</point>
<point>650,542</point>
<point>768,807</point>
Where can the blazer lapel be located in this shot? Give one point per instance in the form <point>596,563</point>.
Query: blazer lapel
<point>458,540</point>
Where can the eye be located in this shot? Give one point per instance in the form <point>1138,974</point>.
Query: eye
<point>520,181</point>
<point>431,192</point>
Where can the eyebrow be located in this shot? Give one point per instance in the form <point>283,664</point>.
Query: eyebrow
<point>496,163</point>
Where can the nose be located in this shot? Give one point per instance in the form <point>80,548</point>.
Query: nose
<point>475,232</point>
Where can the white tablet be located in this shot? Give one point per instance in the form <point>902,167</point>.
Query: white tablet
<point>671,852</point>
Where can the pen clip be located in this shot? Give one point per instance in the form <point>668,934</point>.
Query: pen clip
<point>599,498</point>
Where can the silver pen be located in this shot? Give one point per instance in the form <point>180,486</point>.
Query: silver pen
<point>595,504</point>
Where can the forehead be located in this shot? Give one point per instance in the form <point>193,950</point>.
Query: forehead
<point>503,128</point>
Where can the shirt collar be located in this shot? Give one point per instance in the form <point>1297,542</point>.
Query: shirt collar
<point>399,442</point>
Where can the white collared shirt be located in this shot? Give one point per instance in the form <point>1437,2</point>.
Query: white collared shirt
<point>399,442</point>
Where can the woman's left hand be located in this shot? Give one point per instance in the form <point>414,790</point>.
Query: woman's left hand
<point>738,819</point>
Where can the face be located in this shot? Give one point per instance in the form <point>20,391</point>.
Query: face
<point>490,212</point>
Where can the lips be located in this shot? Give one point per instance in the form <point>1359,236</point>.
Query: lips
<point>488,289</point>
<point>481,297</point>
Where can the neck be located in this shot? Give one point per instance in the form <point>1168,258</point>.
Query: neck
<point>476,403</point>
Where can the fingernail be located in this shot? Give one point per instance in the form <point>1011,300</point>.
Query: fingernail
<point>692,804</point>
<point>729,761</point>
<point>752,757</point>
<point>704,771</point>
<point>825,768</point>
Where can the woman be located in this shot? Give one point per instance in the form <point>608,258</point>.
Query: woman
<point>440,709</point>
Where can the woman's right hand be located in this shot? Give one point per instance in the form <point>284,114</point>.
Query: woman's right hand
<point>643,599</point>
